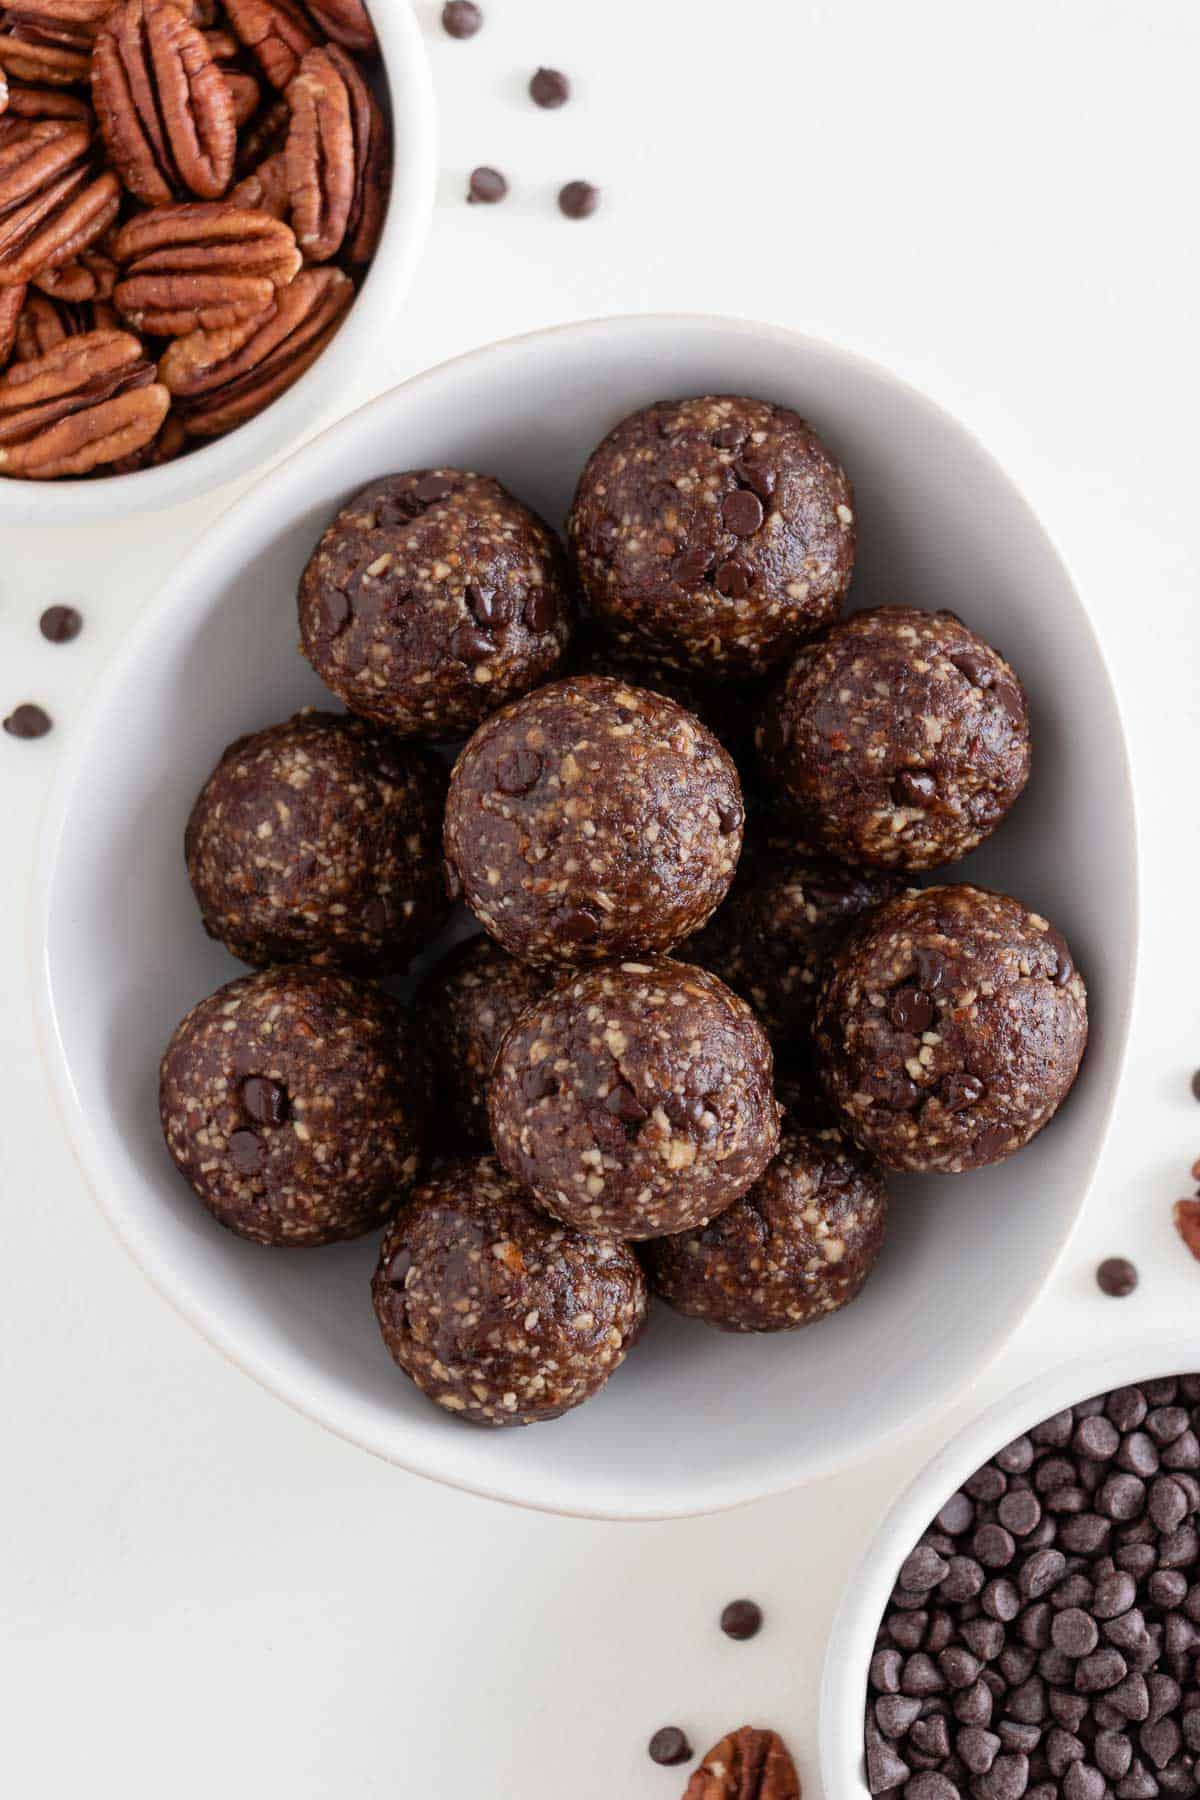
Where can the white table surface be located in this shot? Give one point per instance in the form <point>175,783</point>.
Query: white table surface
<point>202,1594</point>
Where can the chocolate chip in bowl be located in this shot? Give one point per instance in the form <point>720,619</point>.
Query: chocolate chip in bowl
<point>270,118</point>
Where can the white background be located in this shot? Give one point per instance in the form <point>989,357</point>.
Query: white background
<point>201,1593</point>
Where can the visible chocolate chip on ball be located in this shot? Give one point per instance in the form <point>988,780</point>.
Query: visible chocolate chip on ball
<point>265,1100</point>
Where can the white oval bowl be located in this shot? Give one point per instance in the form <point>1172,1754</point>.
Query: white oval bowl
<point>696,1420</point>
<point>410,100</point>
<point>852,1639</point>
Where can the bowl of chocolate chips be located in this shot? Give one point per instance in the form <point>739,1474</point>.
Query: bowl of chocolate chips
<point>603,899</point>
<point>210,208</point>
<point>1026,1623</point>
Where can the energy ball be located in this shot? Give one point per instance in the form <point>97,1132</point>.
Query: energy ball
<point>433,598</point>
<point>719,532</point>
<point>592,819</point>
<point>772,938</point>
<point>950,1028</point>
<point>319,841</point>
<point>795,1248</point>
<point>901,739</point>
<point>294,1101</point>
<point>468,1003</point>
<point>635,1099</point>
<point>496,1312</point>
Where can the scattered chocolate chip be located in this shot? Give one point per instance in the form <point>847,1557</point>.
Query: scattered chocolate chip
<point>691,566</point>
<point>541,610</point>
<point>1117,1276</point>
<point>669,1747</point>
<point>246,1152</point>
<point>461,18</point>
<point>971,663</point>
<point>432,487</point>
<point>549,88</point>
<point>398,1267</point>
<point>911,1010</point>
<point>468,644</point>
<point>577,925</point>
<point>956,1091</point>
<point>742,512</point>
<point>1064,968</point>
<point>733,579</point>
<point>728,437</point>
<point>624,1104</point>
<point>265,1100</point>
<point>335,610</point>
<point>27,721</point>
<point>914,787</point>
<point>578,200</point>
<point>757,476</point>
<point>59,624</point>
<point>486,186</point>
<point>518,771</point>
<point>741,1619</point>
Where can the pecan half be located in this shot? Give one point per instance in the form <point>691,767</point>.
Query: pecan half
<point>747,1765</point>
<point>90,400</point>
<point>345,21</point>
<point>201,267</point>
<point>164,107</point>
<point>169,442</point>
<point>45,322</point>
<point>223,378</point>
<point>337,152</point>
<point>266,188</point>
<point>12,300</point>
<point>26,102</point>
<point>92,276</point>
<point>277,33</point>
<point>41,42</point>
<point>61,21</point>
<point>51,205</point>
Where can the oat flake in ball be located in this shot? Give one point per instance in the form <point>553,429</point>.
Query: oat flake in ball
<point>592,819</point>
<point>467,1003</point>
<point>496,1312</point>
<point>950,1028</point>
<point>795,1248</point>
<point>294,1101</point>
<point>432,598</point>
<point>900,739</point>
<point>717,531</point>
<point>319,841</point>
<point>635,1099</point>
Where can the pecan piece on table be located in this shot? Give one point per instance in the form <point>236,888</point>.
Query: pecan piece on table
<point>201,266</point>
<point>265,188</point>
<point>345,21</point>
<point>164,107</point>
<point>337,154</point>
<point>747,1765</point>
<point>88,401</point>
<point>277,33</point>
<point>222,378</point>
<point>52,205</point>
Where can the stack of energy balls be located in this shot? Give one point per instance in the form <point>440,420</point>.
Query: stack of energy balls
<point>687,1045</point>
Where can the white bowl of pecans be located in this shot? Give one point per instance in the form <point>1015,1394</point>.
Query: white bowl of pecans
<point>207,208</point>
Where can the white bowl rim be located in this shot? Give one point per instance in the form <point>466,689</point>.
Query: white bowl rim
<point>407,75</point>
<point>852,1635</point>
<point>71,1110</point>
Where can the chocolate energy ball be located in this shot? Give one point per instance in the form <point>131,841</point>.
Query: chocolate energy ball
<point>635,1099</point>
<point>771,940</point>
<point>496,1312</point>
<point>319,841</point>
<point>717,531</point>
<point>796,1247</point>
<point>950,1028</point>
<point>901,739</point>
<point>592,819</point>
<point>468,1003</point>
<point>295,1102</point>
<point>433,598</point>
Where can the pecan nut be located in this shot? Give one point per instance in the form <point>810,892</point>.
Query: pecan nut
<point>222,378</point>
<point>747,1765</point>
<point>34,47</point>
<point>25,102</point>
<point>277,33</point>
<point>52,205</point>
<point>336,158</point>
<point>245,94</point>
<point>12,302</point>
<point>88,401</point>
<point>345,21</point>
<point>202,266</point>
<point>92,276</point>
<point>265,188</point>
<point>164,107</point>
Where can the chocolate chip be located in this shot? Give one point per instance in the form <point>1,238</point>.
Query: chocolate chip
<point>931,1736</point>
<point>977,1748</point>
<point>669,1747</point>
<point>1103,1669</point>
<point>1007,1779</point>
<point>549,88</point>
<point>578,200</point>
<point>27,721</point>
<point>541,610</point>
<point>577,926</point>
<point>335,610</point>
<point>733,579</point>
<point>914,787</point>
<point>931,1785</point>
<point>729,437</point>
<point>921,1676</point>
<point>247,1152</point>
<point>1001,1600</point>
<point>265,1100</point>
<point>978,668</point>
<point>539,1082</point>
<point>470,645</point>
<point>974,1705</point>
<point>1040,1572</point>
<point>1019,1512</point>
<point>1113,1753</point>
<point>481,603</point>
<point>956,1515</point>
<point>730,818</point>
<point>933,971</point>
<point>885,1671</point>
<point>963,1580</point>
<point>432,487</point>
<point>742,513</point>
<point>922,1569</point>
<point>1097,1437</point>
<point>741,1619</point>
<point>994,1546</point>
<point>1138,1454</point>
<point>60,624</point>
<point>1074,1632</point>
<point>885,1770</point>
<point>1117,1276</point>
<point>894,1713</point>
<point>691,566</point>
<point>1083,1782</point>
<point>1168,1504</point>
<point>486,186</point>
<point>461,18</point>
<point>1064,968</point>
<point>1160,1740</point>
<point>957,1091</point>
<point>624,1104</point>
<point>911,1010</point>
<point>1010,701</point>
<point>993,1142</point>
<point>398,1267</point>
<point>518,771</point>
<point>757,476</point>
